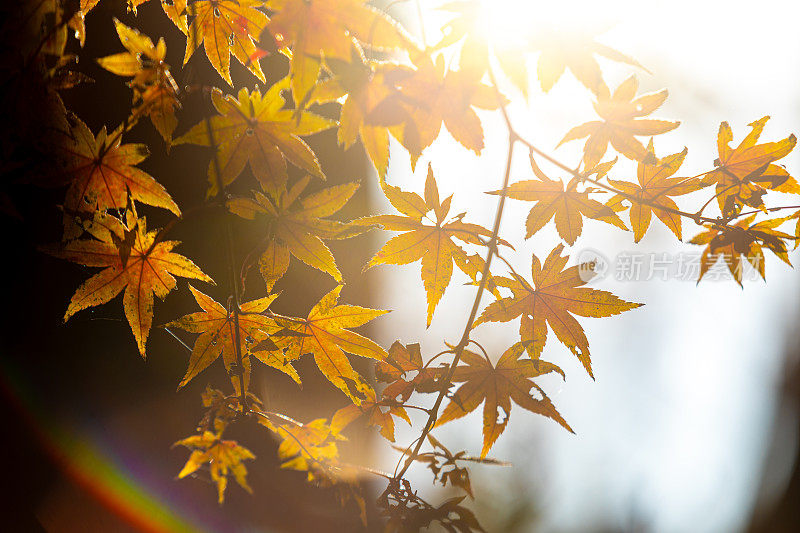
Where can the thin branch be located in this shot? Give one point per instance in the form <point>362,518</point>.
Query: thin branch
<point>239,371</point>
<point>458,350</point>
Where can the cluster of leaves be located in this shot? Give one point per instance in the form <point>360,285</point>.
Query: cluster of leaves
<point>336,51</point>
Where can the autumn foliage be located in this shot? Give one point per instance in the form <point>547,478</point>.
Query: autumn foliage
<point>387,84</point>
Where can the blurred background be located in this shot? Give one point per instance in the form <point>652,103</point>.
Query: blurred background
<point>692,422</point>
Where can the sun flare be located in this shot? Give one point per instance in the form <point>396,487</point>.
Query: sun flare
<point>511,23</point>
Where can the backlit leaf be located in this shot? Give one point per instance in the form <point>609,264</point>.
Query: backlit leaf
<point>555,295</point>
<point>149,271</point>
<point>621,123</point>
<point>495,386</point>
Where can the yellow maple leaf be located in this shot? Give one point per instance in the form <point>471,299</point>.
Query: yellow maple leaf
<point>103,175</point>
<point>436,95</point>
<point>328,28</point>
<point>217,328</point>
<point>224,457</point>
<point>226,27</point>
<point>744,239</point>
<point>495,386</point>
<point>653,192</point>
<point>146,268</point>
<point>296,227</point>
<point>564,202</point>
<point>372,102</point>
<point>432,243</point>
<point>744,174</point>
<point>155,93</point>
<point>255,129</point>
<point>555,295</point>
<point>622,123</point>
<point>325,334</point>
<point>575,51</point>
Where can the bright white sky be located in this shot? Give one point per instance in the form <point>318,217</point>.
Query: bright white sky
<point>673,431</point>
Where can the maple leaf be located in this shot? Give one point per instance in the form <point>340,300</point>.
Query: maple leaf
<point>495,386</point>
<point>744,174</point>
<point>224,457</point>
<point>746,239</point>
<point>403,360</point>
<point>433,244</point>
<point>474,53</point>
<point>327,28</point>
<point>103,174</point>
<point>226,27</point>
<point>621,113</point>
<point>305,447</point>
<point>146,268</point>
<point>414,516</point>
<point>325,335</point>
<point>221,409</point>
<point>217,328</point>
<point>373,410</point>
<point>574,51</point>
<point>175,11</point>
<point>255,129</point>
<point>653,191</point>
<point>444,464</point>
<point>796,229</point>
<point>296,227</point>
<point>77,22</point>
<point>564,202</point>
<point>556,295</point>
<point>372,102</point>
<point>154,90</point>
<point>435,96</point>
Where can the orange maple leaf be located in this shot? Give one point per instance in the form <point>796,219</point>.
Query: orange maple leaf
<point>434,96</point>
<point>138,264</point>
<point>377,412</point>
<point>556,294</point>
<point>564,202</point>
<point>255,129</point>
<point>103,174</point>
<point>402,361</point>
<point>372,103</point>
<point>495,386</point>
<point>325,335</point>
<point>653,191</point>
<point>226,27</point>
<point>744,174</point>
<point>217,328</point>
<point>621,113</point>
<point>746,239</point>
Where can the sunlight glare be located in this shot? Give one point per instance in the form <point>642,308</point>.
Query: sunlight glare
<point>510,23</point>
